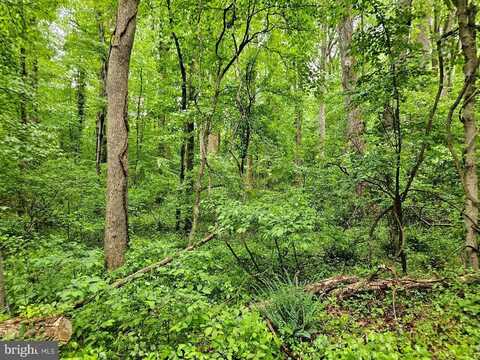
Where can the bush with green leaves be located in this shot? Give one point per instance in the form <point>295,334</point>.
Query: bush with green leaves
<point>153,321</point>
<point>267,231</point>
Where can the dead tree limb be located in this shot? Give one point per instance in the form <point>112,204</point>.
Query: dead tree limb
<point>57,328</point>
<point>165,261</point>
<point>139,273</point>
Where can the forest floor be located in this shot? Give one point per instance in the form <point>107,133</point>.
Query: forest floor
<point>199,306</point>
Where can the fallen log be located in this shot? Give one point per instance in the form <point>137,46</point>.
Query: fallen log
<point>139,273</point>
<point>364,286</point>
<point>57,328</point>
<point>343,286</point>
<point>324,287</point>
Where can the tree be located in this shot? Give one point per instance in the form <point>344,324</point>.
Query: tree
<point>355,126</point>
<point>116,223</point>
<point>100,143</point>
<point>81,102</point>
<point>3,302</point>
<point>466,14</point>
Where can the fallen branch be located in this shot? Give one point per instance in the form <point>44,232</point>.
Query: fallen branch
<point>139,273</point>
<point>57,328</point>
<point>165,261</point>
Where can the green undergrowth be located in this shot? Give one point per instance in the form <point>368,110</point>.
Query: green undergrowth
<point>200,307</point>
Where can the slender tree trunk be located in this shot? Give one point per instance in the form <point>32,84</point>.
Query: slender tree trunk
<point>189,158</point>
<point>24,77</point>
<point>101,143</point>
<point>34,80</point>
<point>189,133</point>
<point>116,224</point>
<point>213,147</point>
<point>355,125</point>
<point>187,145</point>
<point>466,13</point>
<point>245,142</point>
<point>138,130</point>
<point>452,55</point>
<point>322,128</point>
<point>3,302</point>
<point>298,134</point>
<point>405,8</point>
<point>198,184</point>
<point>250,179</point>
<point>81,99</point>
<point>178,211</point>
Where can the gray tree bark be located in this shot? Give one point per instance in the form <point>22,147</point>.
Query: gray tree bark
<point>116,223</point>
<point>466,13</point>
<point>355,125</point>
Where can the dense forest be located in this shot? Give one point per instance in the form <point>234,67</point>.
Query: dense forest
<point>240,179</point>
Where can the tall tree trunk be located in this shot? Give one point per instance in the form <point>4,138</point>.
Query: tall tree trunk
<point>322,120</point>
<point>138,130</point>
<point>81,99</point>
<point>116,224</point>
<point>245,142</point>
<point>405,13</point>
<point>3,301</point>
<point>188,142</point>
<point>34,81</point>
<point>355,125</point>
<point>298,134</point>
<point>466,13</point>
<point>204,131</point>
<point>250,179</point>
<point>178,211</point>
<point>24,77</point>
<point>101,141</point>
<point>189,158</point>
<point>213,147</point>
<point>452,52</point>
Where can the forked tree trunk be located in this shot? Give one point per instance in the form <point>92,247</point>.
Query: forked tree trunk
<point>116,224</point>
<point>466,13</point>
